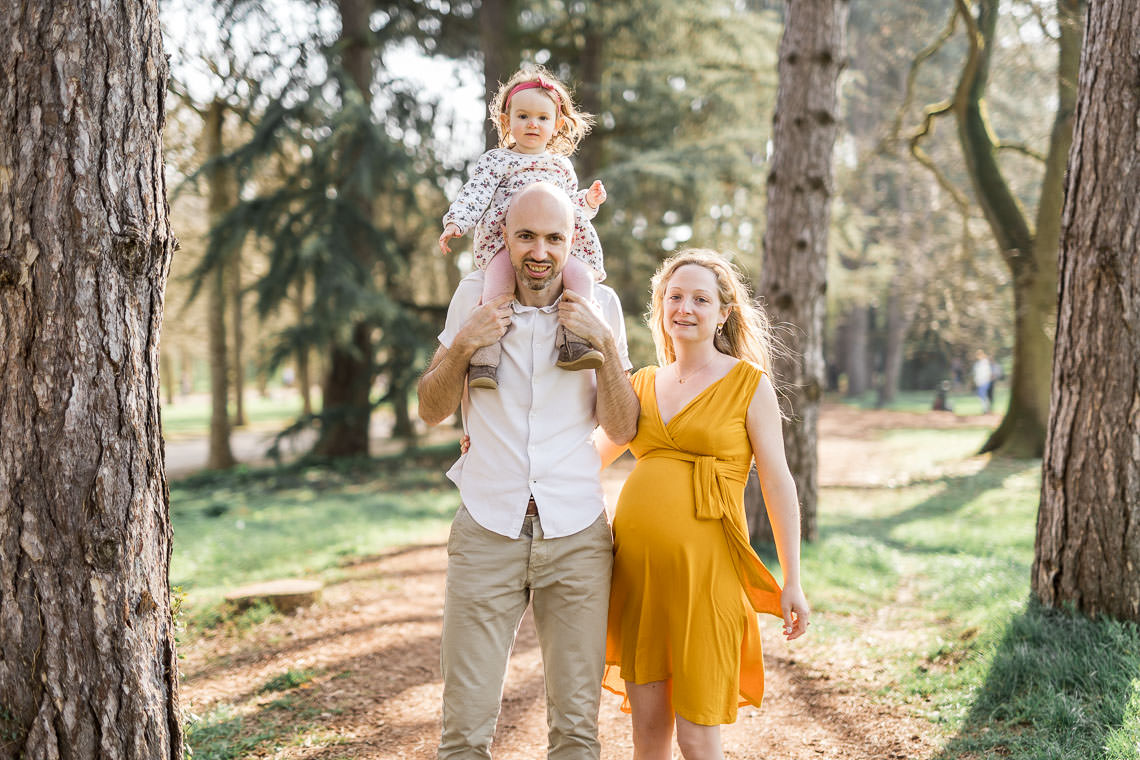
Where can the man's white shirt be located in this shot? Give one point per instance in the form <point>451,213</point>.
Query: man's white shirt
<point>532,436</point>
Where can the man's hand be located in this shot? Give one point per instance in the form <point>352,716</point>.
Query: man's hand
<point>486,325</point>
<point>449,232</point>
<point>583,317</point>
<point>596,195</point>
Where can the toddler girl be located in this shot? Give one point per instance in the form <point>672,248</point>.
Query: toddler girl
<point>538,127</point>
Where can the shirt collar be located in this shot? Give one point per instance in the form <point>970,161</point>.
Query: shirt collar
<point>519,308</point>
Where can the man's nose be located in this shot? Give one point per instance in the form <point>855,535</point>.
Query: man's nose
<point>540,251</point>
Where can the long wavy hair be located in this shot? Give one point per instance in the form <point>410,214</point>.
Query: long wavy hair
<point>746,333</point>
<point>575,124</point>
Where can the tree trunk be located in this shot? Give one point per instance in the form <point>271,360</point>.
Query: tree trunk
<point>855,351</point>
<point>166,372</point>
<point>1088,529</point>
<point>1031,256</point>
<point>347,408</point>
<point>185,372</point>
<point>237,365</point>
<point>304,374</point>
<point>88,667</point>
<point>221,192</point>
<point>498,39</point>
<point>794,277</point>
<point>591,64</point>
<point>897,325</point>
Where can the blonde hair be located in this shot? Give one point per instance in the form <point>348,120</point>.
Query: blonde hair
<point>746,333</point>
<point>574,126</point>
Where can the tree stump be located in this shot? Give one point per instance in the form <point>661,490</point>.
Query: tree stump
<point>285,595</point>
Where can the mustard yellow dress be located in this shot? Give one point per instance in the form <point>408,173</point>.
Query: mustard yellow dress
<point>686,582</point>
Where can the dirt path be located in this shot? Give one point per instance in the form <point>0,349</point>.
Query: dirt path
<point>374,643</point>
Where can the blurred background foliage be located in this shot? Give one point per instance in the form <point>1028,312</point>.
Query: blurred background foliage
<point>347,127</point>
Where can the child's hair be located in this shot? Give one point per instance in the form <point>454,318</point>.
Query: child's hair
<point>575,124</point>
<point>746,333</point>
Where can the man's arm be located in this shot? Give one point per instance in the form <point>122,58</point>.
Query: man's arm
<point>617,407</point>
<point>441,385</point>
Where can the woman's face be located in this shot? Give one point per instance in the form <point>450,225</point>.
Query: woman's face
<point>691,305</point>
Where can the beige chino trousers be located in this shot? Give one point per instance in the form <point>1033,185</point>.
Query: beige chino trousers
<point>490,581</point>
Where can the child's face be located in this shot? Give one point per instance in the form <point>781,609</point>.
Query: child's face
<point>532,120</point>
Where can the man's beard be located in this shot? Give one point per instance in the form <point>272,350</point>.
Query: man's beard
<point>530,281</point>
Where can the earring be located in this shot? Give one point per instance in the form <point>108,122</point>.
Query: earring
<point>720,328</point>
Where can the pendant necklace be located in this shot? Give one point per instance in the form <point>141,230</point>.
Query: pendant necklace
<point>702,368</point>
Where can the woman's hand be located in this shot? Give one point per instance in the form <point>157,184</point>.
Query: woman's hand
<point>449,232</point>
<point>796,611</point>
<point>596,195</point>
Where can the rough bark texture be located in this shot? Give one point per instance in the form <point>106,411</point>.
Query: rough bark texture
<point>221,199</point>
<point>800,187</point>
<point>87,657</point>
<point>1030,255</point>
<point>1088,529</point>
<point>346,402</point>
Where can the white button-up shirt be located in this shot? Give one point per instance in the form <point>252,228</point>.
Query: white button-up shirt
<point>532,435</point>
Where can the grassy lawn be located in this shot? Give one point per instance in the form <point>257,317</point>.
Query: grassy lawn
<point>921,592</point>
<point>920,588</point>
<point>231,529</point>
<point>190,416</point>
<point>962,402</point>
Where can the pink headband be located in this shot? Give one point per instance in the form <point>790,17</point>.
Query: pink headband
<point>530,86</point>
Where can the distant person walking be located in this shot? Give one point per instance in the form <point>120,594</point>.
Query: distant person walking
<point>983,379</point>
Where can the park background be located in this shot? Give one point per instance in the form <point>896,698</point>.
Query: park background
<point>310,150</point>
<point>925,644</point>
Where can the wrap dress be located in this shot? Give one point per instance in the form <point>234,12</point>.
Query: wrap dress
<point>686,583</point>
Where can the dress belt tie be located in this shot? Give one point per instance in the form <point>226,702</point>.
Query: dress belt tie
<point>713,482</point>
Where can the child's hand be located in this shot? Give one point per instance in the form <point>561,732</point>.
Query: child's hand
<point>452,231</point>
<point>596,195</point>
<point>464,444</point>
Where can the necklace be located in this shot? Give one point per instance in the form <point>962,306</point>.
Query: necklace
<point>686,378</point>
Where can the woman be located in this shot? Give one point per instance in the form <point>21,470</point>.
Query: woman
<point>683,644</point>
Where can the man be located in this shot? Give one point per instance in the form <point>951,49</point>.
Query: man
<point>532,525</point>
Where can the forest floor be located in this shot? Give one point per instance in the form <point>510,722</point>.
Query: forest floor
<point>357,675</point>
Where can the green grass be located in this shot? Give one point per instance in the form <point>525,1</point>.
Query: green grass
<point>922,586</point>
<point>962,402</point>
<point>190,416</point>
<point>231,529</point>
<point>919,583</point>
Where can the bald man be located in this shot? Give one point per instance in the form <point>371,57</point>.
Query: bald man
<point>532,527</point>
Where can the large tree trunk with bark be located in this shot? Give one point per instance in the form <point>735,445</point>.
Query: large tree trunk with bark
<point>1030,254</point>
<point>1088,529</point>
<point>220,184</point>
<point>800,187</point>
<point>87,650</point>
<point>347,408</point>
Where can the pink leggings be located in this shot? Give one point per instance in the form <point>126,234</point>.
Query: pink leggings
<point>499,277</point>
